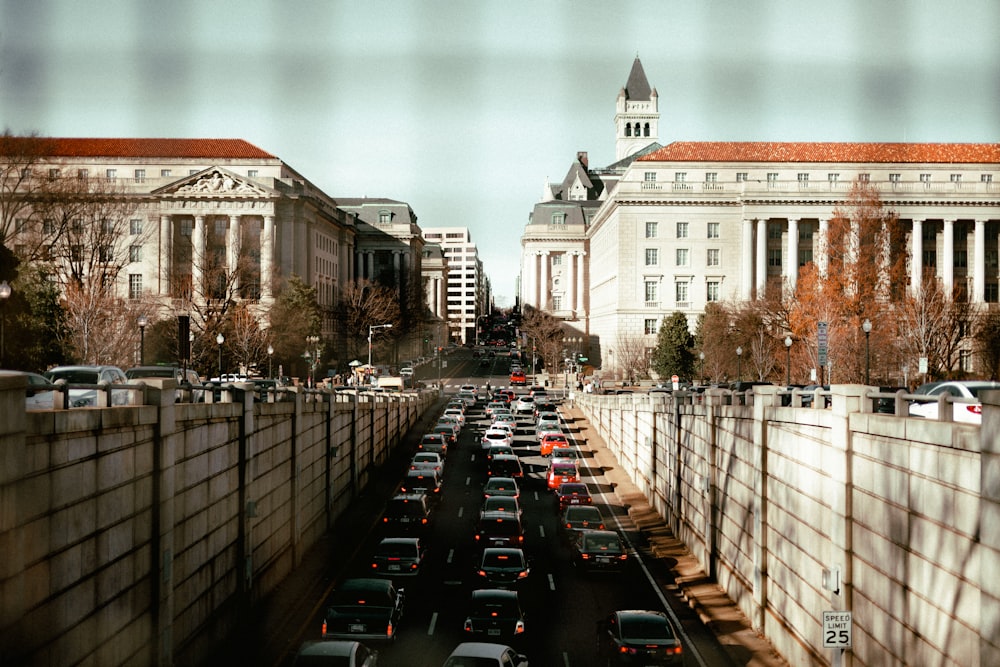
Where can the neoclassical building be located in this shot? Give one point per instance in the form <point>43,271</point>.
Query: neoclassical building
<point>694,222</point>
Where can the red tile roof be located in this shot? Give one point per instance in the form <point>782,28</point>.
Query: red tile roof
<point>149,148</point>
<point>772,151</point>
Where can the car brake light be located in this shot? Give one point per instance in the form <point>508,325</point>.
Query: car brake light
<point>388,630</point>
<point>975,409</point>
<point>585,556</point>
<point>468,626</point>
<point>324,628</point>
<point>519,628</point>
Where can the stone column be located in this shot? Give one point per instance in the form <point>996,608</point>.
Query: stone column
<point>948,260</point>
<point>395,267</point>
<point>979,262</point>
<point>199,262</point>
<point>370,265</point>
<point>233,249</point>
<point>761,256</point>
<point>916,257</point>
<point>358,265</point>
<point>267,257</point>
<point>543,292</point>
<point>581,285</point>
<point>792,263</point>
<point>530,280</point>
<point>746,286</point>
<point>823,248</point>
<point>166,253</point>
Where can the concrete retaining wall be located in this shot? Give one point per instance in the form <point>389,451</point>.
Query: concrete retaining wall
<point>140,535</point>
<point>796,511</point>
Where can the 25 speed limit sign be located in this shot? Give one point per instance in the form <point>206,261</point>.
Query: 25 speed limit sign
<point>837,627</point>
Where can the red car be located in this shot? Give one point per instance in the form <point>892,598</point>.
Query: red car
<point>518,378</point>
<point>562,472</point>
<point>573,493</point>
<point>552,441</point>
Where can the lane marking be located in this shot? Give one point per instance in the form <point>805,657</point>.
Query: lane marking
<point>541,531</point>
<point>566,658</point>
<point>451,555</point>
<point>434,620</point>
<point>461,510</point>
<point>552,583</point>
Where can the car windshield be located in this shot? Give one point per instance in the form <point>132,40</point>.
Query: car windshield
<point>602,542</point>
<point>567,489</point>
<point>644,628</point>
<point>588,513</point>
<point>464,661</point>
<point>149,373</point>
<point>76,377</point>
<point>565,469</point>
<point>397,549</point>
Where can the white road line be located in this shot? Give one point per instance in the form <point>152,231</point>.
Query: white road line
<point>461,510</point>
<point>541,531</point>
<point>552,583</point>
<point>468,481</point>
<point>451,555</point>
<point>566,658</point>
<point>434,620</point>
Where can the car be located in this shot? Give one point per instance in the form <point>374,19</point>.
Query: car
<point>364,608</point>
<point>406,371</point>
<point>406,513</point>
<point>483,654</point>
<point>524,405</point>
<point>501,417</point>
<point>431,460</point>
<point>550,442</point>
<point>434,442</point>
<point>447,430</point>
<point>535,389</point>
<point>539,434</point>
<point>564,453</point>
<point>573,493</point>
<point>518,378</point>
<point>503,566</point>
<point>457,414</point>
<point>496,436</point>
<point>39,394</point>
<point>562,471</point>
<point>547,420</point>
<point>91,375</point>
<point>398,557</point>
<point>470,398</point>
<point>494,405</point>
<point>470,389</point>
<point>499,450</point>
<point>969,411</point>
<point>452,421</point>
<point>505,465</point>
<point>501,486</point>
<point>184,377</point>
<point>503,426</point>
<point>335,653</point>
<point>423,481</point>
<point>494,614</point>
<point>501,412</point>
<point>502,504</point>
<point>639,637</point>
<point>599,550</point>
<point>543,407</point>
<point>582,517</point>
<point>499,529</point>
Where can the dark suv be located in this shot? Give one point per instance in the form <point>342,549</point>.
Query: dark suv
<point>407,513</point>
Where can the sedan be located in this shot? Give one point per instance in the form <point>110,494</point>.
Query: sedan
<point>496,436</point>
<point>503,566</point>
<point>502,504</point>
<point>38,395</point>
<point>970,412</point>
<point>447,430</point>
<point>499,450</point>
<point>552,441</point>
<point>482,654</point>
<point>428,459</point>
<point>582,517</point>
<point>364,609</point>
<point>91,375</point>
<point>524,405</point>
<point>637,637</point>
<point>316,653</point>
<point>398,557</point>
<point>573,493</point>
<point>495,615</point>
<point>434,442</point>
<point>599,550</point>
<point>501,486</point>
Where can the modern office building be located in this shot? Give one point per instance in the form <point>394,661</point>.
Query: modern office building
<point>467,297</point>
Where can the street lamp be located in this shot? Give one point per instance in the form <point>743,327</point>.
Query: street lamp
<point>220,339</point>
<point>739,364</point>
<point>270,358</point>
<point>143,321</point>
<point>701,372</point>
<point>866,326</point>
<point>371,332</point>
<point>4,295</point>
<point>788,360</point>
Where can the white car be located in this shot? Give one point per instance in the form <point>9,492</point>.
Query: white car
<point>91,375</point>
<point>469,398</point>
<point>496,436</point>
<point>428,460</point>
<point>406,372</point>
<point>524,405</point>
<point>471,389</point>
<point>457,414</point>
<point>969,412</point>
<point>505,419</point>
<point>506,426</point>
<point>484,654</point>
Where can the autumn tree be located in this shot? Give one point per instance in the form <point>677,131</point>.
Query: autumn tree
<point>674,353</point>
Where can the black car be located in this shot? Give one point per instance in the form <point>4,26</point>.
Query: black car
<point>398,557</point>
<point>502,566</point>
<point>543,406</point>
<point>639,637</point>
<point>364,609</point>
<point>499,529</point>
<point>406,513</point>
<point>494,615</point>
<point>599,550</point>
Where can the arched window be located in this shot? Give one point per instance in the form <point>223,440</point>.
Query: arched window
<point>628,129</point>
<point>638,129</point>
<point>646,129</point>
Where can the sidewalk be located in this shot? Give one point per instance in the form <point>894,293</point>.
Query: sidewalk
<point>717,611</point>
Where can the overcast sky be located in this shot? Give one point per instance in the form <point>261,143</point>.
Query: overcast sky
<point>464,109</point>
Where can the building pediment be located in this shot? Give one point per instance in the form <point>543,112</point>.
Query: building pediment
<point>214,181</point>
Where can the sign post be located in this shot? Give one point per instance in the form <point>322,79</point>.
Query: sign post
<point>838,627</point>
<point>823,341</point>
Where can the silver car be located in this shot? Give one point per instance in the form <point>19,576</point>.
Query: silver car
<point>90,397</point>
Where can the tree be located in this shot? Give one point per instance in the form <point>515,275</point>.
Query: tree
<point>987,342</point>
<point>632,356</point>
<point>714,336</point>
<point>294,315</point>
<point>546,335</point>
<point>674,354</point>
<point>366,304</point>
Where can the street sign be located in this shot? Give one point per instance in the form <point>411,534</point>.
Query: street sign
<point>838,628</point>
<point>675,381</point>
<point>583,358</point>
<point>822,340</point>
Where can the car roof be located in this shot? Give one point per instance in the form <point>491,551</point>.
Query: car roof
<point>400,540</point>
<point>510,481</point>
<point>494,593</point>
<point>331,648</point>
<point>366,584</point>
<point>572,487</point>
<point>479,650</point>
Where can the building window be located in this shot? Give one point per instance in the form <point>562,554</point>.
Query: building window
<point>992,293</point>
<point>252,173</point>
<point>682,230</point>
<point>650,230</point>
<point>649,177</point>
<point>772,177</point>
<point>894,178</point>
<point>681,255</point>
<point>140,175</point>
<point>925,178</point>
<point>681,292</point>
<point>557,260</point>
<point>713,230</point>
<point>164,173</point>
<point>774,232</point>
<point>558,218</point>
<point>961,259</point>
<point>803,179</point>
<point>111,174</point>
<point>651,292</point>
<point>649,327</point>
<point>652,257</point>
<point>956,178</point>
<point>82,174</point>
<point>53,174</point>
<point>48,226</point>
<point>680,176</point>
<point>965,360</point>
<point>713,257</point>
<point>192,172</point>
<point>104,254</point>
<point>774,257</point>
<point>864,178</point>
<point>712,291</point>
<point>135,253</point>
<point>929,258</point>
<point>20,225</point>
<point>186,226</point>
<point>135,285</point>
<point>986,178</point>
<point>741,177</point>
<point>805,256</point>
<point>556,302</point>
<point>711,178</point>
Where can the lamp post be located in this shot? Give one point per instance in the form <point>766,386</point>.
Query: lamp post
<point>4,295</point>
<point>739,364</point>
<point>788,360</point>
<point>270,358</point>
<point>371,332</point>
<point>866,326</point>
<point>143,321</point>
<point>701,371</point>
<point>220,339</point>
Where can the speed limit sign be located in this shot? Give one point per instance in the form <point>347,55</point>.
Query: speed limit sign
<point>837,629</point>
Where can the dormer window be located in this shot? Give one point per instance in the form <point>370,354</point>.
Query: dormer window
<point>384,217</point>
<point>558,218</point>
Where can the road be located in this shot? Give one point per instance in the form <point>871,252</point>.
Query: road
<point>562,605</point>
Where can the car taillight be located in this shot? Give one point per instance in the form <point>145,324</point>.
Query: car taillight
<point>374,566</point>
<point>676,650</point>
<point>388,630</point>
<point>975,409</point>
<point>477,538</point>
<point>468,625</point>
<point>585,556</point>
<point>519,628</point>
<point>522,574</point>
<point>481,573</point>
<point>623,557</point>
<point>323,632</point>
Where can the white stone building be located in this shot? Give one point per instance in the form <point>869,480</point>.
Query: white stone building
<point>467,297</point>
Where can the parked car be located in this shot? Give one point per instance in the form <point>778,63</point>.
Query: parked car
<point>91,375</point>
<point>335,653</point>
<point>495,614</point>
<point>185,378</point>
<point>970,411</point>
<point>398,557</point>
<point>599,550</point>
<point>38,395</point>
<point>364,609</point>
<point>503,566</point>
<point>639,637</point>
<point>483,654</point>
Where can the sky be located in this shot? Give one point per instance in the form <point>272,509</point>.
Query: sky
<point>465,109</point>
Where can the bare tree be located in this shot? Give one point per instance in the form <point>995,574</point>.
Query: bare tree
<point>366,304</point>
<point>546,334</point>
